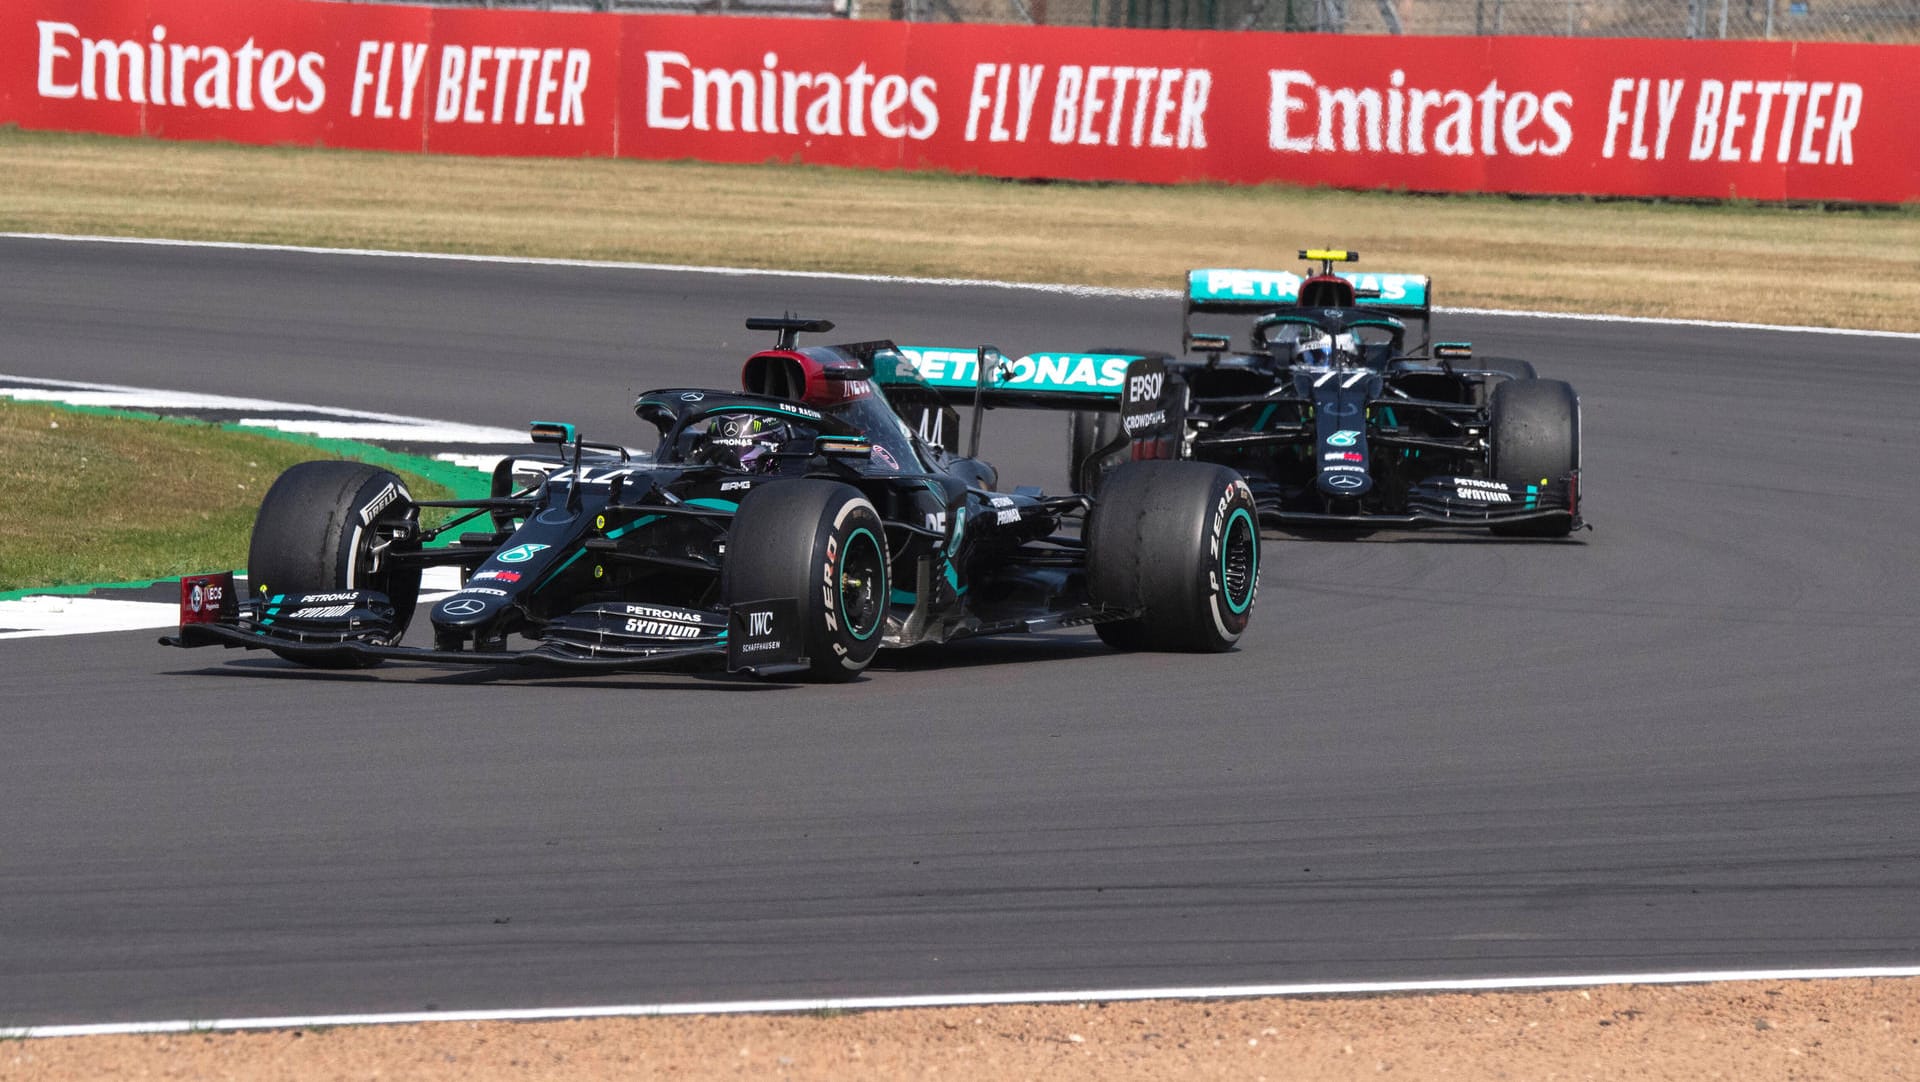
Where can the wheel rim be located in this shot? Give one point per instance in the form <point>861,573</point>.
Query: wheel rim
<point>1239,560</point>
<point>863,584</point>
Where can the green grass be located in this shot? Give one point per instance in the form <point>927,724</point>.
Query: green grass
<point>102,497</point>
<point>1734,261</point>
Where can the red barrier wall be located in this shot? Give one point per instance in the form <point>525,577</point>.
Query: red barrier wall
<point>1754,120</point>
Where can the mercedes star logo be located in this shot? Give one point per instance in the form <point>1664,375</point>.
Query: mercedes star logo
<point>1346,480</point>
<point>465,606</point>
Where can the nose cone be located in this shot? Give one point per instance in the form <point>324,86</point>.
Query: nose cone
<point>466,610</point>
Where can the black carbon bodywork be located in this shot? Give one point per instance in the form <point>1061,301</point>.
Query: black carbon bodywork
<point>606,558</point>
<point>1385,428</point>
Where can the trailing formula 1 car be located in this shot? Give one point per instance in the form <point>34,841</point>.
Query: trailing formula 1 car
<point>795,526</point>
<point>1341,412</point>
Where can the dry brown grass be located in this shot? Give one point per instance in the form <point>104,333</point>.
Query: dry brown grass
<point>1714,262</point>
<point>1839,1030</point>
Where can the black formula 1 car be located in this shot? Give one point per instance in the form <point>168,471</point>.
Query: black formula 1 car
<point>797,525</point>
<point>1341,411</point>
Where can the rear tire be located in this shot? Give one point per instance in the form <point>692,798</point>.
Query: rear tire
<point>1181,541</point>
<point>1090,430</point>
<point>314,534</point>
<point>1087,432</point>
<point>823,543</point>
<point>1536,438</point>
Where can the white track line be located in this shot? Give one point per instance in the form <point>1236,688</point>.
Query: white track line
<point>877,1003</point>
<point>57,614</point>
<point>989,283</point>
<point>43,615</point>
<point>378,426</point>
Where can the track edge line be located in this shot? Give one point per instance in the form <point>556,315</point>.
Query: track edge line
<point>873,1003</point>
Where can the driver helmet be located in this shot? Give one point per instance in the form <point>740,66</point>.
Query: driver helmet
<point>1321,350</point>
<point>1315,351</point>
<point>743,441</point>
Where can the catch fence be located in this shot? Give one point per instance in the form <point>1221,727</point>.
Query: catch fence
<point>1880,21</point>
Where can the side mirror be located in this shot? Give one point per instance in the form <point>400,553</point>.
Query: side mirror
<point>1209,343</point>
<point>556,432</point>
<point>852,448</point>
<point>1453,351</point>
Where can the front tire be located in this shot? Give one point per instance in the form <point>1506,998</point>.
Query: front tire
<point>1536,438</point>
<point>1514,368</point>
<point>823,543</point>
<point>317,532</point>
<point>1179,540</point>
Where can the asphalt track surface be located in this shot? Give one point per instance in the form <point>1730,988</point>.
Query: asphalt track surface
<point>1685,740</point>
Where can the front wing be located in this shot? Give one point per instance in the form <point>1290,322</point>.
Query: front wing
<point>1459,502</point>
<point>356,627</point>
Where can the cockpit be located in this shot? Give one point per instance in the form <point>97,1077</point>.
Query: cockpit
<point>1328,338</point>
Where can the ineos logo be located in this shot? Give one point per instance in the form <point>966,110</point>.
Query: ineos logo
<point>759,624</point>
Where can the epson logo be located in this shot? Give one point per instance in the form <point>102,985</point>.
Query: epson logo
<point>1145,388</point>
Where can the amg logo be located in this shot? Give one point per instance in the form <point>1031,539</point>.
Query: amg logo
<point>760,624</point>
<point>325,612</point>
<point>658,630</point>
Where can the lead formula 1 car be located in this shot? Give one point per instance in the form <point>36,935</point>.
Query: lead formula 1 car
<point>1342,413</point>
<point>795,526</point>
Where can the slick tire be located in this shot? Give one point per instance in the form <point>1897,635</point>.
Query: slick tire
<point>1536,435</point>
<point>1087,432</point>
<point>1179,540</point>
<point>314,534</point>
<point>823,543</point>
<point>1513,366</point>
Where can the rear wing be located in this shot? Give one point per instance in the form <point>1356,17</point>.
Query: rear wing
<point>920,380</point>
<point>1261,291</point>
<point>1071,381</point>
